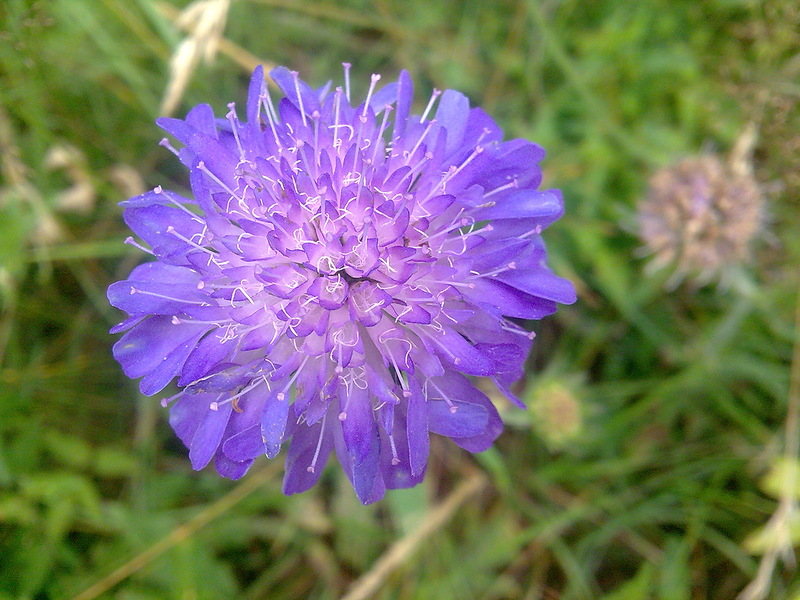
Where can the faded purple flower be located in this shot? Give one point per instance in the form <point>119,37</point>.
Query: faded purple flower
<point>336,277</point>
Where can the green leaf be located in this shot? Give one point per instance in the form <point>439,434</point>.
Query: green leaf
<point>640,587</point>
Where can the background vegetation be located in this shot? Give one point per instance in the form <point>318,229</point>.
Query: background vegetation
<point>662,429</point>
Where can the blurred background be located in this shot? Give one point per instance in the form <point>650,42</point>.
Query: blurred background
<point>658,456</point>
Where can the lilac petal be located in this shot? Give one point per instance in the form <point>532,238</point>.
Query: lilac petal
<point>417,428</point>
<point>308,453</point>
<point>155,224</point>
<point>273,422</point>
<point>242,439</point>
<point>216,158</point>
<point>202,193</point>
<point>514,160</point>
<point>146,298</point>
<point>187,413</point>
<point>145,346</point>
<point>544,206</point>
<point>365,477</point>
<point>387,95</point>
<point>257,87</point>
<point>309,382</point>
<point>481,126</point>
<point>504,357</point>
<point>245,445</point>
<point>323,91</point>
<point>491,254</point>
<point>405,95</point>
<point>427,363</point>
<point>289,85</point>
<point>497,298</point>
<point>176,127</point>
<point>511,396</point>
<point>229,468</point>
<point>456,419</point>
<point>412,313</point>
<point>223,378</point>
<point>366,302</point>
<point>158,272</point>
<point>541,283</point>
<point>158,378</point>
<point>126,324</point>
<point>201,118</point>
<point>156,196</point>
<point>357,422</point>
<point>452,348</point>
<point>395,461</point>
<point>206,439</point>
<point>211,351</point>
<point>379,387</point>
<point>330,291</point>
<point>471,405</point>
<point>494,427</point>
<point>452,113</point>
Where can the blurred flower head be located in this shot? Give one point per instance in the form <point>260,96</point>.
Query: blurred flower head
<point>557,411</point>
<point>336,275</point>
<point>699,217</point>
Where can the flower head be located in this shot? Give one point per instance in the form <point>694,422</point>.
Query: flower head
<point>700,217</point>
<point>337,275</point>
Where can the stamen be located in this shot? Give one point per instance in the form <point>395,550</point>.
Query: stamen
<point>265,100</point>
<point>512,184</point>
<point>296,76</point>
<point>374,78</point>
<point>312,467</point>
<point>234,399</point>
<point>417,167</point>
<point>165,142</point>
<point>387,109</point>
<point>202,166</point>
<point>337,101</point>
<point>192,243</point>
<point>165,401</point>
<point>395,458</point>
<point>535,231</point>
<point>510,266</point>
<point>436,93</point>
<point>453,171</point>
<point>347,80</point>
<point>131,242</point>
<point>510,327</point>
<point>154,294</point>
<point>431,123</point>
<point>234,121</point>
<point>453,407</point>
<point>315,116</point>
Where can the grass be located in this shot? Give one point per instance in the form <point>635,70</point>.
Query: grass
<point>682,398</point>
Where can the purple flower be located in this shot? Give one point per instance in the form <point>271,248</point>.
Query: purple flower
<point>337,276</point>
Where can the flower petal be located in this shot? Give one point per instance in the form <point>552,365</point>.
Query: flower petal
<point>208,436</point>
